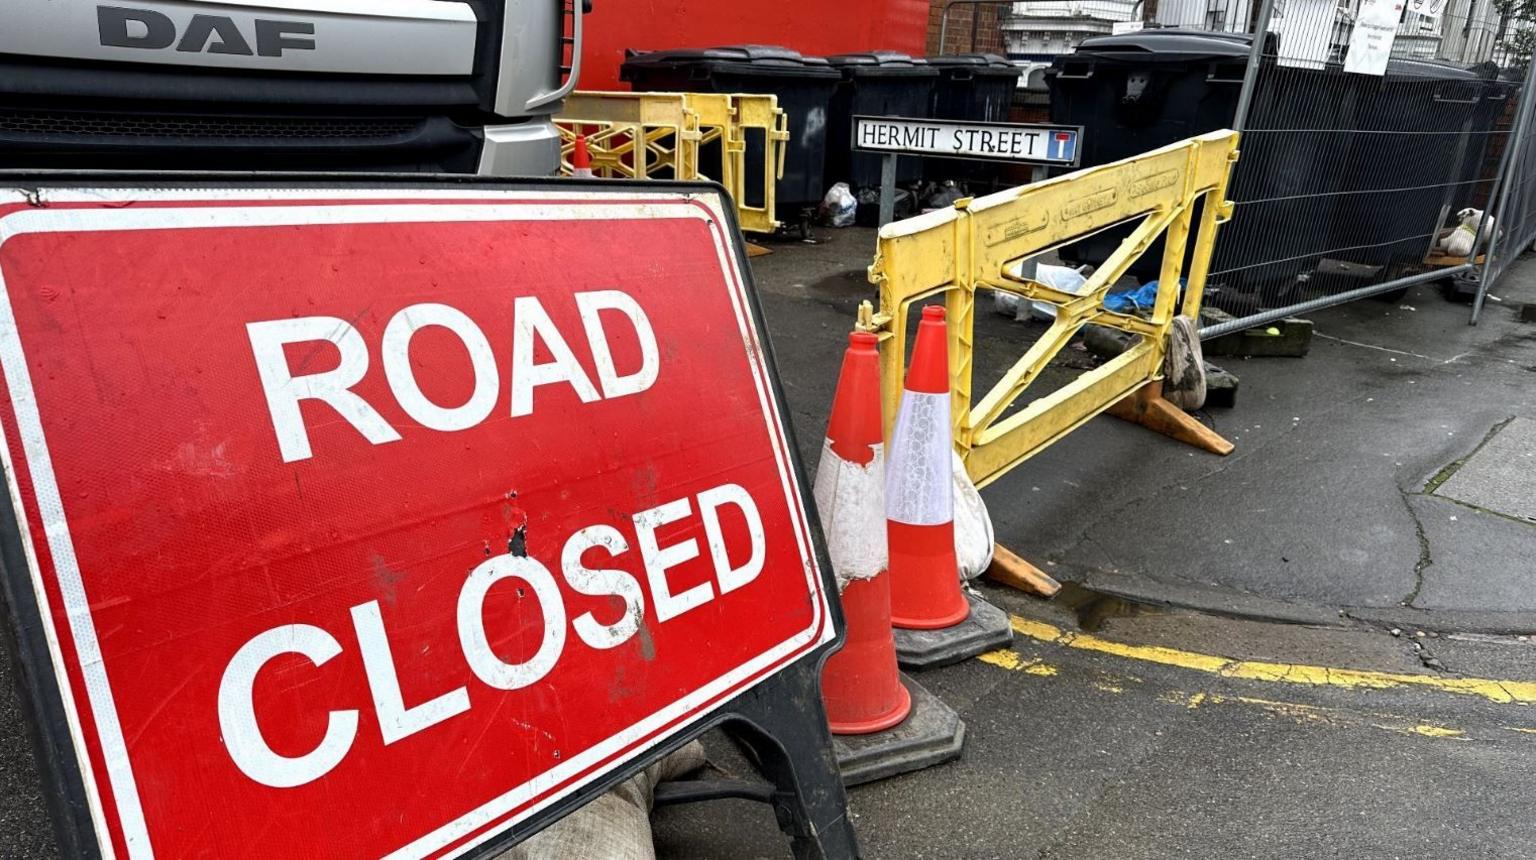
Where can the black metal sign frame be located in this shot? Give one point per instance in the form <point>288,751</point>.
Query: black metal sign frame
<point>781,719</point>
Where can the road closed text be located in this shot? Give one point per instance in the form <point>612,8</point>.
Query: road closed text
<point>587,564</point>
<point>719,527</point>
<point>285,388</point>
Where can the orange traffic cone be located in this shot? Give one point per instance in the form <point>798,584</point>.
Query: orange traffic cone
<point>581,159</point>
<point>925,581</point>
<point>859,684</point>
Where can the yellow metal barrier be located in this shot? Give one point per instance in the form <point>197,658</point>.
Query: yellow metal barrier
<point>757,115</point>
<point>666,135</point>
<point>714,113</point>
<point>980,242</point>
<point>632,135</point>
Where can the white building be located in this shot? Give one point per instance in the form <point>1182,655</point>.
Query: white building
<point>1224,16</point>
<point>1044,28</point>
<point>1312,32</point>
<point>1040,29</point>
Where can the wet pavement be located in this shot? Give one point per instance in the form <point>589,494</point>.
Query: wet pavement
<point>1073,752</point>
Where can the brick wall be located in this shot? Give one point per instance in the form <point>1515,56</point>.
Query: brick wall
<point>985,21</point>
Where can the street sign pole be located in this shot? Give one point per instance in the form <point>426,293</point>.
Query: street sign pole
<point>888,188</point>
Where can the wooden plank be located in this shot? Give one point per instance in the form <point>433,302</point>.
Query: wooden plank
<point>1009,569</point>
<point>1447,260</point>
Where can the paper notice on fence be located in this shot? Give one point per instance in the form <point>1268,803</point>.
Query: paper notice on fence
<point>1370,44</point>
<point>1305,28</point>
<point>1427,8</point>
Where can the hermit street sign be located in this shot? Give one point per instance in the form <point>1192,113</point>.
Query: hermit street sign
<point>1053,145</point>
<point>386,521</point>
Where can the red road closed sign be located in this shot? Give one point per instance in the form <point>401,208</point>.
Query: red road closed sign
<point>372,522</point>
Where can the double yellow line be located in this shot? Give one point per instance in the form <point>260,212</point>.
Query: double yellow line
<point>1503,692</point>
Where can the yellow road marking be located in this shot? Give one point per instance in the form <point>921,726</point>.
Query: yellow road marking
<point>1005,658</point>
<point>1503,692</point>
<point>1322,715</point>
<point>1429,730</point>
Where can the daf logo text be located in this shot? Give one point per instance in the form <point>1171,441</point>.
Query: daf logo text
<point>125,27</point>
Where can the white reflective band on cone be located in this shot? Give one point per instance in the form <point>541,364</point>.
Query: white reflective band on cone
<point>851,501</point>
<point>918,486</point>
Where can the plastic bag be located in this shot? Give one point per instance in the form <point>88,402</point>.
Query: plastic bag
<point>1063,278</point>
<point>1006,304</point>
<point>943,196</point>
<point>1140,300</point>
<point>839,207</point>
<point>615,826</point>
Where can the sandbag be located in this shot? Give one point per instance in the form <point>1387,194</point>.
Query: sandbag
<point>615,826</point>
<point>973,525</point>
<point>1184,366</point>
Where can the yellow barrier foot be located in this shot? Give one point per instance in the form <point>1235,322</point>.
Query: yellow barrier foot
<point>1011,570</point>
<point>1146,406</point>
<point>756,250</point>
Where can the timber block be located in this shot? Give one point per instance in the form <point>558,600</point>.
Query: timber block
<point>1106,342</point>
<point>1220,387</point>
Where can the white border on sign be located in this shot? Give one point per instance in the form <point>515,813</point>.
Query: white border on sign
<point>572,205</point>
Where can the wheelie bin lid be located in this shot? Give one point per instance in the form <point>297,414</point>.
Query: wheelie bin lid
<point>882,64</point>
<point>769,60</point>
<point>1429,70</point>
<point>1168,45</point>
<point>965,65</point>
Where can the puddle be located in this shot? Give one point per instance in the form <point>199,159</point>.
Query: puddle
<point>844,283</point>
<point>1093,608</point>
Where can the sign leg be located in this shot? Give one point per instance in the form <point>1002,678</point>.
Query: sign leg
<point>1038,174</point>
<point>887,189</point>
<point>783,726</point>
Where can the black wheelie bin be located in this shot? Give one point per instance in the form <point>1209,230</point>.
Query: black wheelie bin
<point>804,86</point>
<point>1423,127</point>
<point>1139,91</point>
<point>971,88</point>
<point>878,83</point>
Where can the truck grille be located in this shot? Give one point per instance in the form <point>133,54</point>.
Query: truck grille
<point>191,127</point>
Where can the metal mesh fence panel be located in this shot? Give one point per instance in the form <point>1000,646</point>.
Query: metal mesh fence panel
<point>1350,181</point>
<point>1515,211</point>
<point>1369,127</point>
